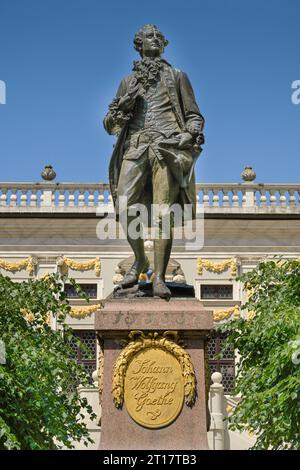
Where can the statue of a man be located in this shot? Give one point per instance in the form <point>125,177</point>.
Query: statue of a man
<point>159,128</point>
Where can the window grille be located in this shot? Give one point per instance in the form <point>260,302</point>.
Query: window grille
<point>88,357</point>
<point>216,291</point>
<point>89,289</point>
<point>224,364</point>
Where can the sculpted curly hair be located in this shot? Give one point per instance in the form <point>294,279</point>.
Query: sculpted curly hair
<point>138,38</point>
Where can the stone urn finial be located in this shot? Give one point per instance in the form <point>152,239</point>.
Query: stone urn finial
<point>248,174</point>
<point>48,174</point>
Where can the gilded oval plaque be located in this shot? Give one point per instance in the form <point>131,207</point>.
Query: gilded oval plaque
<point>154,388</point>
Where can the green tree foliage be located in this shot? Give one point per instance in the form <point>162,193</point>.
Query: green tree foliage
<point>268,377</point>
<point>38,409</point>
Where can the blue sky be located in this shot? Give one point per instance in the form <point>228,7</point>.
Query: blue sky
<point>62,61</point>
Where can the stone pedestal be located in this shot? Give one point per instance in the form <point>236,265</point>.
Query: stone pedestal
<point>114,323</point>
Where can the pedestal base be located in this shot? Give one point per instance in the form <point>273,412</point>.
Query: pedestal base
<point>193,323</point>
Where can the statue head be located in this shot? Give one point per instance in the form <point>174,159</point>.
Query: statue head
<point>149,41</point>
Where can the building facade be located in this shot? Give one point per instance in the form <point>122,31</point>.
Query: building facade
<point>49,227</point>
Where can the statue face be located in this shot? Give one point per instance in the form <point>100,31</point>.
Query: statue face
<point>153,44</point>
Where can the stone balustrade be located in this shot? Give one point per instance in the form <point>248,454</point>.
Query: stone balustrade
<point>215,198</point>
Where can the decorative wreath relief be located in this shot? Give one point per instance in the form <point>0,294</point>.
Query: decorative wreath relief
<point>138,341</point>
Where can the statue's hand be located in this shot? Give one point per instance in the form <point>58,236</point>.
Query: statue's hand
<point>127,102</point>
<point>185,140</point>
<point>194,127</point>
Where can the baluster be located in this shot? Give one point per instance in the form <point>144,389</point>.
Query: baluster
<point>292,198</point>
<point>91,198</point>
<point>205,198</point>
<point>263,198</point>
<point>225,198</point>
<point>33,198</point>
<point>215,199</point>
<point>273,199</point>
<point>81,198</point>
<point>235,198</point>
<point>101,197</point>
<point>23,199</point>
<point>110,205</point>
<point>3,198</point>
<point>13,198</point>
<point>282,199</point>
<point>71,198</point>
<point>61,198</point>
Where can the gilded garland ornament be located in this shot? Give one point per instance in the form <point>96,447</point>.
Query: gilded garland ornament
<point>138,342</point>
<point>83,312</point>
<point>27,263</point>
<point>75,312</point>
<point>217,268</point>
<point>220,315</point>
<point>94,263</point>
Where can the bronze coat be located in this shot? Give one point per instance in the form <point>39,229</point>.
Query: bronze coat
<point>186,110</point>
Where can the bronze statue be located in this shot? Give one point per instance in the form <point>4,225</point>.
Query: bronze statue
<point>159,128</point>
